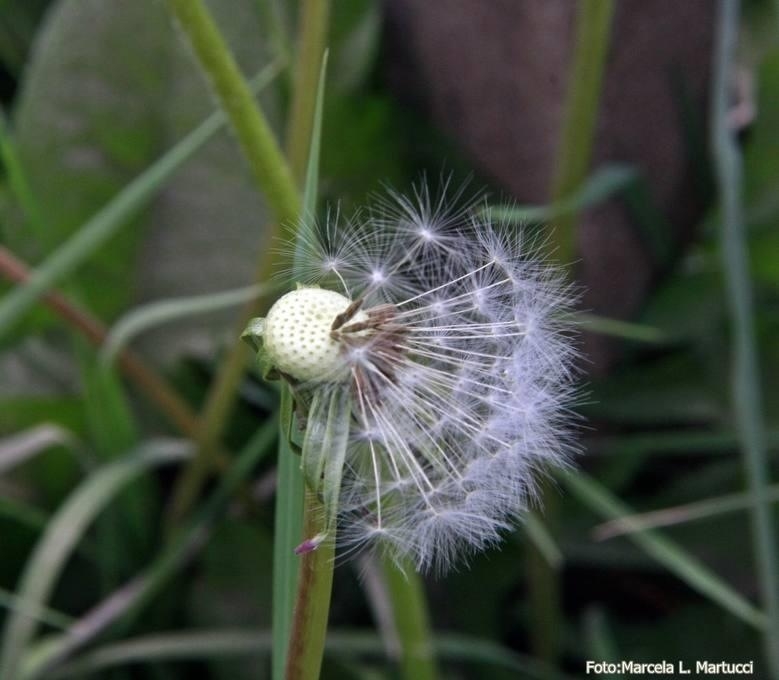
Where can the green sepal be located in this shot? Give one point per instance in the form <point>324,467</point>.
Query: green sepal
<point>324,448</point>
<point>252,334</point>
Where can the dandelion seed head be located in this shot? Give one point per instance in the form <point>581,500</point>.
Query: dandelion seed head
<point>449,336</point>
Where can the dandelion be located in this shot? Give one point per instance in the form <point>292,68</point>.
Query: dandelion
<point>437,338</point>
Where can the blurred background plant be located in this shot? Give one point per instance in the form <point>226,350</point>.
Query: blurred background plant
<point>643,136</point>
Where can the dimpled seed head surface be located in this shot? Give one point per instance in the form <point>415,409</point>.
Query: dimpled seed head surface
<point>297,333</point>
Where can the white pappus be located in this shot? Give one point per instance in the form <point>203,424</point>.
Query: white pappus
<point>449,340</point>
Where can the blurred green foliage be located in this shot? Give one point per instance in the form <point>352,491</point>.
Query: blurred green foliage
<point>96,92</point>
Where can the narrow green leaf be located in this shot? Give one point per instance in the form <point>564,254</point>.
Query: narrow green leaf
<point>678,561</point>
<point>64,532</point>
<point>604,183</point>
<point>621,329</point>
<point>542,539</point>
<point>45,615</point>
<point>311,188</point>
<point>746,388</point>
<point>22,446</point>
<point>288,529</point>
<point>128,601</point>
<point>243,642</point>
<point>679,514</point>
<point>153,314</point>
<point>126,204</point>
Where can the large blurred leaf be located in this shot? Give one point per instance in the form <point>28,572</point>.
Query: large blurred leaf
<point>109,88</point>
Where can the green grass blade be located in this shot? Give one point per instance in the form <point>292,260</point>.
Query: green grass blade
<point>64,532</point>
<point>287,533</point>
<point>542,539</point>
<point>674,558</point>
<point>21,446</point>
<point>156,313</point>
<point>207,644</point>
<point>103,225</point>
<point>50,617</point>
<point>288,530</point>
<point>621,329</point>
<point>593,37</point>
<point>604,183</point>
<point>311,187</point>
<point>406,591</point>
<point>746,389</point>
<point>679,514</point>
<point>128,601</point>
<point>17,179</point>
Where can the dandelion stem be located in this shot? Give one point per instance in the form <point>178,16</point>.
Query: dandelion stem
<point>412,623</point>
<point>312,606</point>
<point>746,393</point>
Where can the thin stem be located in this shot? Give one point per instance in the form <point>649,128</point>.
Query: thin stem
<point>275,178</point>
<point>593,28</point>
<point>311,47</point>
<point>252,129</point>
<point>134,368</point>
<point>287,530</point>
<point>312,606</point>
<point>412,623</point>
<point>746,394</point>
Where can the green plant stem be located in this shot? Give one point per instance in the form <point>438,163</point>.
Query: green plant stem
<point>148,382</point>
<point>746,393</point>
<point>274,178</point>
<point>412,623</point>
<point>287,531</point>
<point>312,606</point>
<point>252,129</point>
<point>544,586</point>
<point>310,49</point>
<point>593,26</point>
<point>290,489</point>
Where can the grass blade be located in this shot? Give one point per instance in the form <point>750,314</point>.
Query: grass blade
<point>207,644</point>
<point>153,314</point>
<point>604,183</point>
<point>126,602</point>
<point>678,514</point>
<point>50,617</point>
<point>746,391</point>
<point>64,532</point>
<point>290,487</point>
<point>22,446</point>
<point>621,329</point>
<point>688,568</point>
<point>103,225</point>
